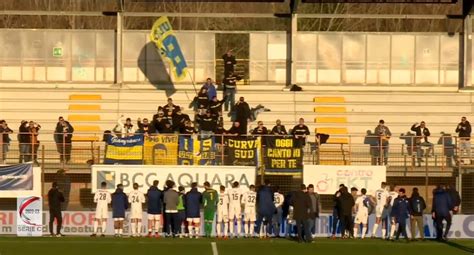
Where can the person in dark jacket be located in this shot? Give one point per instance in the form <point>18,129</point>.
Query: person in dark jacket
<point>279,129</point>
<point>193,210</point>
<point>229,62</point>
<point>345,203</point>
<point>171,202</point>
<point>301,203</point>
<point>5,132</point>
<point>401,207</point>
<point>55,198</point>
<point>145,128</point>
<point>119,206</point>
<point>63,138</point>
<point>265,207</point>
<point>64,184</point>
<point>170,109</point>
<point>464,132</point>
<point>442,207</point>
<point>417,206</point>
<point>230,88</point>
<point>455,198</point>
<point>155,201</point>
<point>23,142</point>
<point>33,142</point>
<point>300,132</point>
<point>207,125</point>
<point>216,107</point>
<point>179,120</point>
<point>315,207</point>
<point>242,114</point>
<point>335,212</point>
<point>421,140</point>
<point>235,130</point>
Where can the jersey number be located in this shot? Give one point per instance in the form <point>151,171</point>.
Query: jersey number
<point>251,199</point>
<point>135,199</point>
<point>221,201</point>
<point>379,196</point>
<point>235,196</point>
<point>102,196</point>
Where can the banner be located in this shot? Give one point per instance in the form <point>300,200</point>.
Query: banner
<point>326,179</point>
<point>126,150</point>
<point>282,156</point>
<point>161,150</point>
<point>167,43</point>
<point>207,152</point>
<point>20,180</point>
<point>80,223</point>
<point>29,217</point>
<point>183,176</point>
<point>185,150</point>
<point>242,151</point>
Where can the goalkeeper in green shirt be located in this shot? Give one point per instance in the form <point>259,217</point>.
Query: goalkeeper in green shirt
<point>209,200</point>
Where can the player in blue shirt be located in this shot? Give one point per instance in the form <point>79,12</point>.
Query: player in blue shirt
<point>193,210</point>
<point>119,206</point>
<point>155,201</point>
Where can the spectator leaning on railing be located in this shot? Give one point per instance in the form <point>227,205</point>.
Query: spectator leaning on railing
<point>23,142</point>
<point>464,131</point>
<point>5,131</point>
<point>124,129</point>
<point>279,129</point>
<point>63,139</point>
<point>384,134</point>
<point>300,132</point>
<point>33,142</point>
<point>422,133</point>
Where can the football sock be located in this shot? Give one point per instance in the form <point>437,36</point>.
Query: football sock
<point>157,227</point>
<point>246,228</point>
<point>356,230</point>
<point>374,230</point>
<point>226,228</point>
<point>252,228</point>
<point>197,231</point>
<point>96,226</point>
<point>231,227</point>
<point>384,232</point>
<point>120,231</point>
<point>133,226</point>
<point>104,226</point>
<point>392,230</point>
<point>239,227</point>
<point>139,227</point>
<point>116,231</point>
<point>364,230</point>
<point>218,229</point>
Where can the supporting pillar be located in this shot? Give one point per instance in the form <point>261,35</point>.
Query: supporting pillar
<point>290,50</point>
<point>118,72</point>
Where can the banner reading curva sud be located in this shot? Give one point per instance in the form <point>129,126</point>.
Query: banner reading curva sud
<point>144,175</point>
<point>326,179</point>
<point>242,151</point>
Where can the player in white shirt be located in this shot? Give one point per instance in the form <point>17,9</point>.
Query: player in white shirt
<point>249,200</point>
<point>362,204</point>
<point>136,200</point>
<point>102,198</point>
<point>235,209</point>
<point>393,225</point>
<point>381,196</point>
<point>278,200</point>
<point>222,213</point>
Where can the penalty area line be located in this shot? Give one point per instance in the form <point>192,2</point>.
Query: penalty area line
<point>214,248</point>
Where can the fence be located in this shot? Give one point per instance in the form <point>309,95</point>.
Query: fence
<point>320,57</point>
<point>412,163</point>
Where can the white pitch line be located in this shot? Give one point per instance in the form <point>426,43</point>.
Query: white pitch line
<point>214,248</point>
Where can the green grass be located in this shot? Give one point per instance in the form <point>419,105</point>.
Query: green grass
<point>145,246</point>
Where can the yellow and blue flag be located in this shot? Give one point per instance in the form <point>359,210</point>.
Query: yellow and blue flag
<point>167,43</point>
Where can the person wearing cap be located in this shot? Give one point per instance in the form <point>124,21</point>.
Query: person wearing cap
<point>55,199</point>
<point>400,209</point>
<point>124,129</point>
<point>421,140</point>
<point>207,125</point>
<point>383,133</point>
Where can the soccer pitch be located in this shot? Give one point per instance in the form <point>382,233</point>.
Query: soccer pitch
<point>143,246</point>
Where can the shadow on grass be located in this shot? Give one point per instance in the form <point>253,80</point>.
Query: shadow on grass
<point>460,247</point>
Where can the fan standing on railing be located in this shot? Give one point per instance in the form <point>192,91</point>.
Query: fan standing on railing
<point>384,134</point>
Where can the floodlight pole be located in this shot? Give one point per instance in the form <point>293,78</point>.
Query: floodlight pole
<point>466,49</point>
<point>118,79</point>
<point>290,50</point>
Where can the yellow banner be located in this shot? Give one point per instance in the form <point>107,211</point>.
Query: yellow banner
<point>161,150</point>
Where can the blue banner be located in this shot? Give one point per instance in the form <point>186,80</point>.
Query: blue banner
<point>126,150</point>
<point>16,177</point>
<point>185,150</point>
<point>207,152</point>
